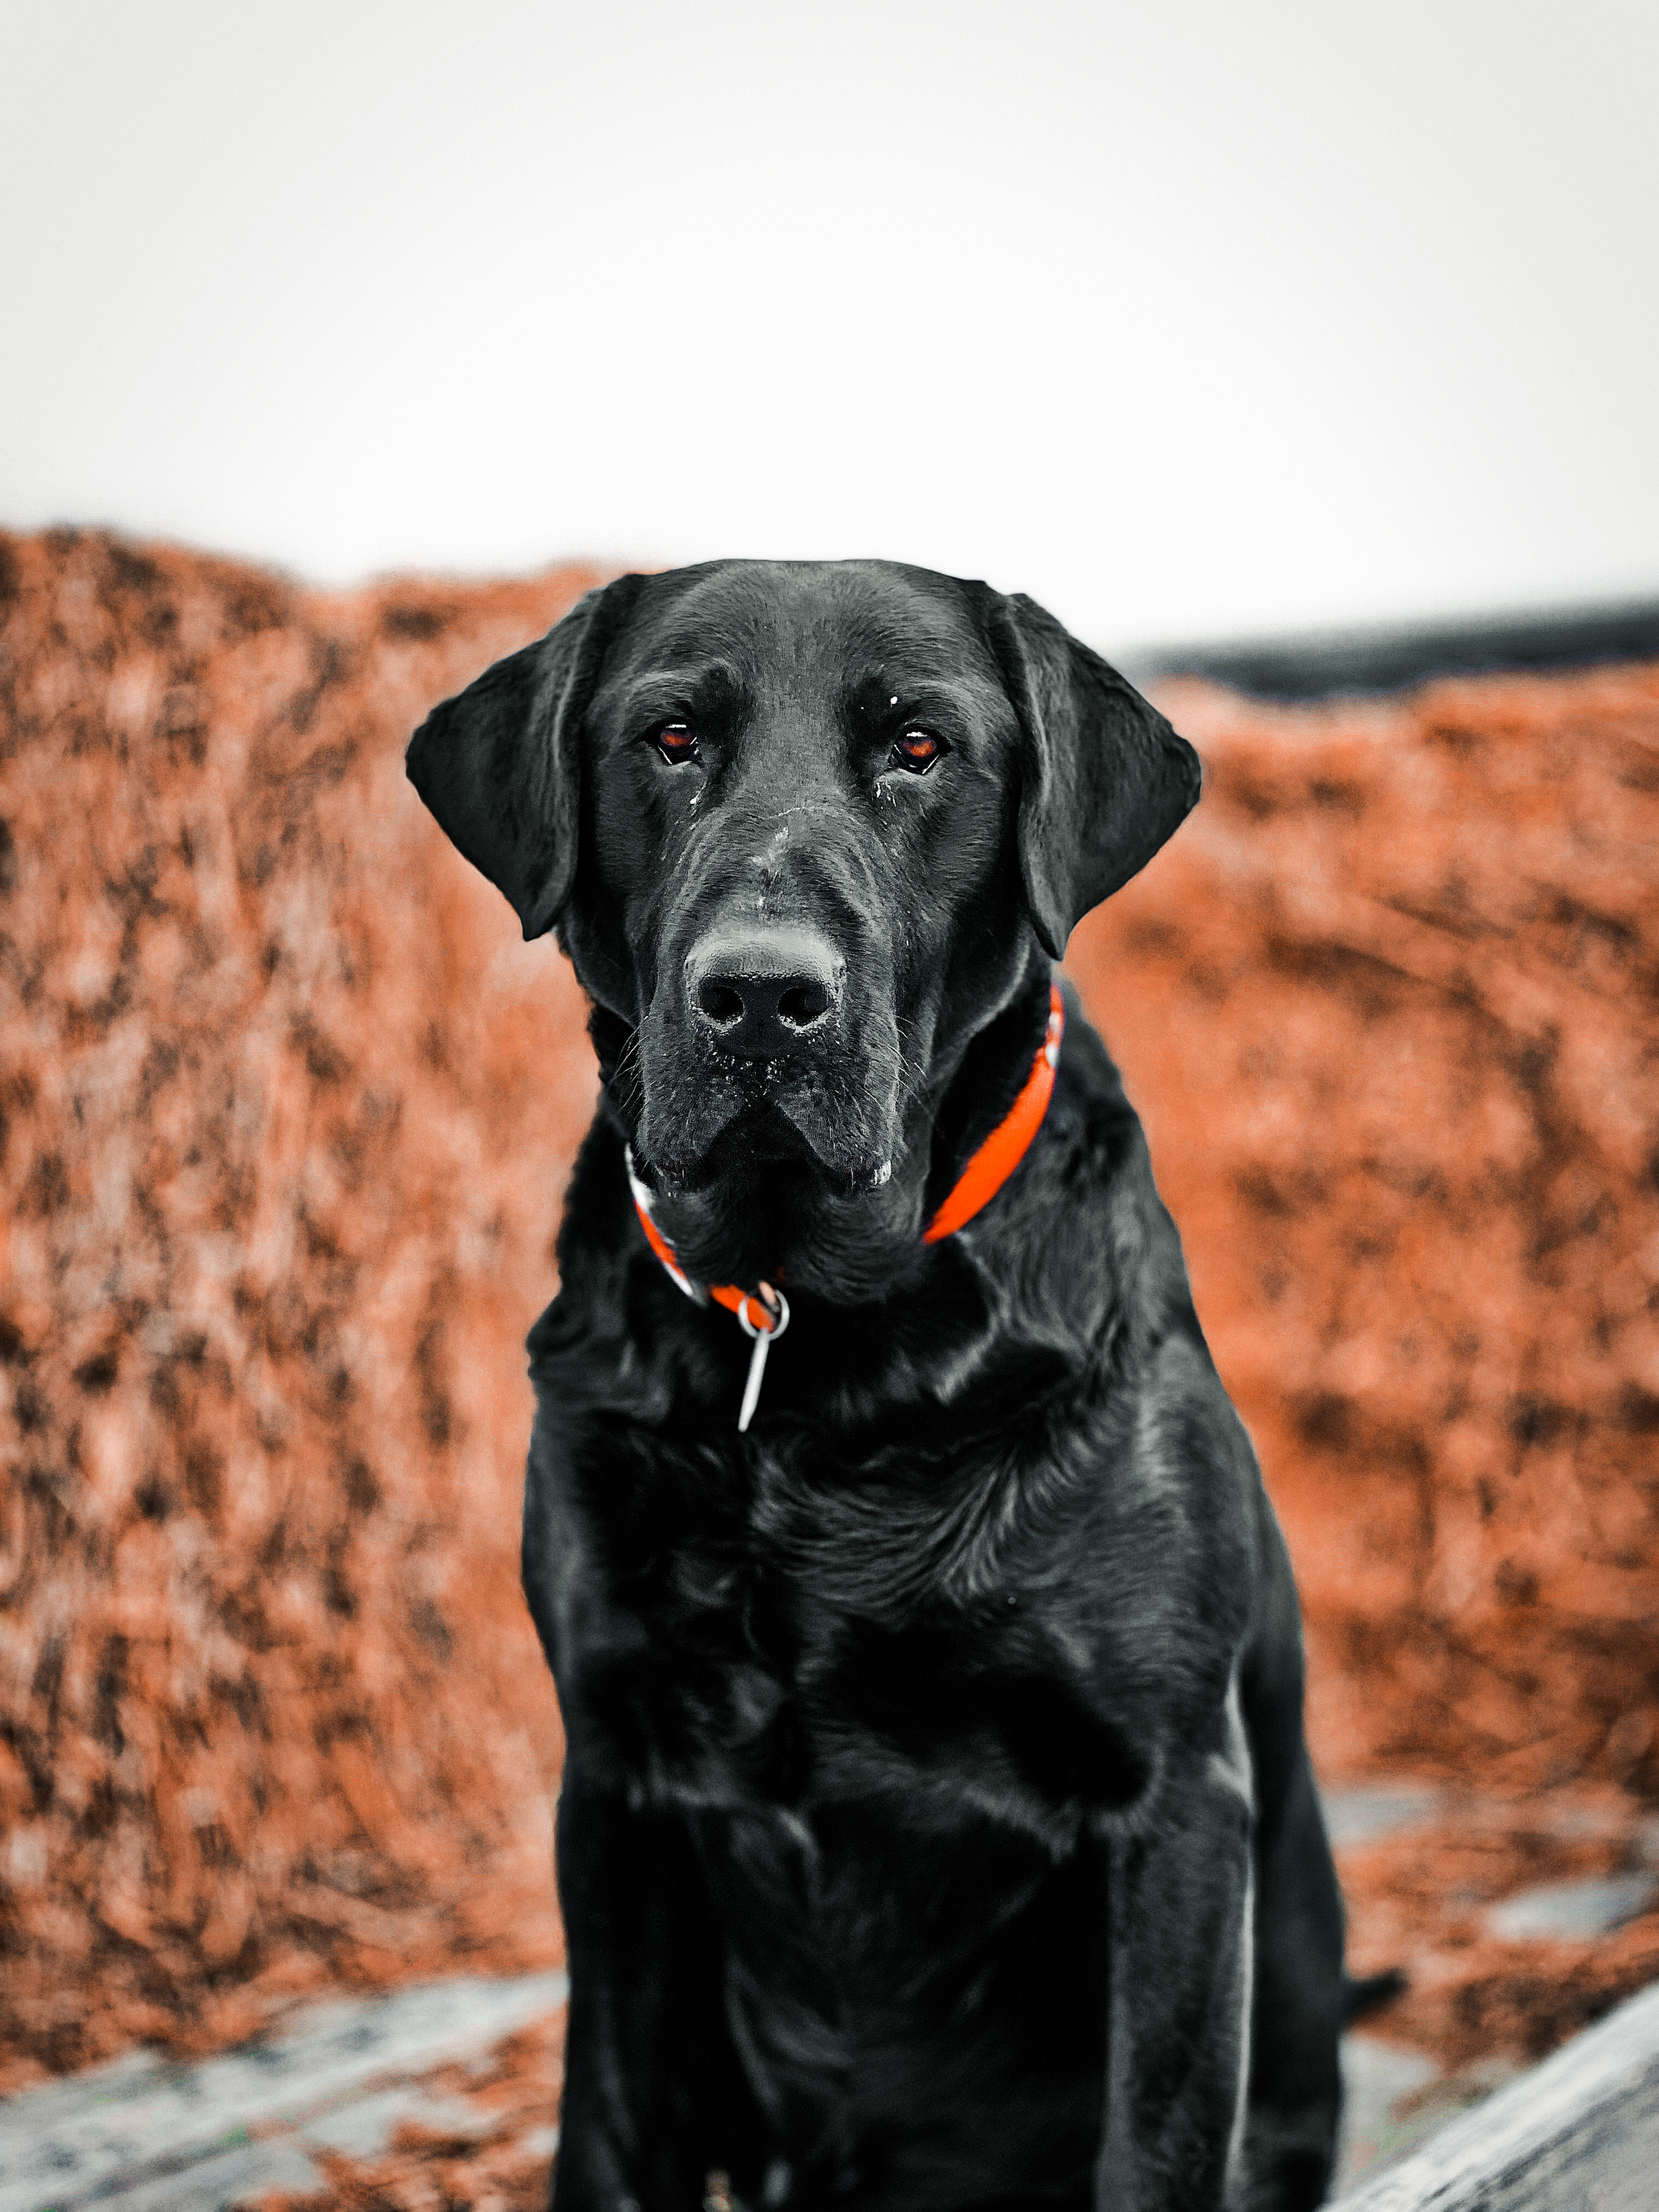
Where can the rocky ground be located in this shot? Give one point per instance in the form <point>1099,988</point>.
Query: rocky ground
<point>287,1109</point>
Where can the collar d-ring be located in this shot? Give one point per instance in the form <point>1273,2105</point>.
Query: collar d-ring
<point>774,1327</point>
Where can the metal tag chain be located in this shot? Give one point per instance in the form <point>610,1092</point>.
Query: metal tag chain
<point>763,1340</point>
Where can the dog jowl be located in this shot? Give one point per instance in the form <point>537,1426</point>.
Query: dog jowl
<point>936,1827</point>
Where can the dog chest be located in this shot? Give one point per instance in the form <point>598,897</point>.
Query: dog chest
<point>894,1987</point>
<point>724,1643</point>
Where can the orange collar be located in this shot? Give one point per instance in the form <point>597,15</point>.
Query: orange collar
<point>765,1310</point>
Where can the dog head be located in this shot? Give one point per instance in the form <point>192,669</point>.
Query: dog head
<point>807,831</point>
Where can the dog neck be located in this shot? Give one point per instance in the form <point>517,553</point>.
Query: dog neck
<point>762,1310</point>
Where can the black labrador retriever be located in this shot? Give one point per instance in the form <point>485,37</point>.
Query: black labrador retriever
<point>936,1828</point>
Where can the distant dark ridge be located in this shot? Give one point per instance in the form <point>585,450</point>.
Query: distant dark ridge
<point>1393,660</point>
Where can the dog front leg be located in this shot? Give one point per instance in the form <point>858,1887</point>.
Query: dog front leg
<point>653,2099</point>
<point>1179,1916</point>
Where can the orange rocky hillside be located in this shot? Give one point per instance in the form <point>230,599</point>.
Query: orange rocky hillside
<point>288,1107</point>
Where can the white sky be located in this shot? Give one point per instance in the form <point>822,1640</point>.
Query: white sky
<point>1191,317</point>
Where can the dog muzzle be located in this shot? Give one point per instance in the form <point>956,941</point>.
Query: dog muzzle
<point>762,1314</point>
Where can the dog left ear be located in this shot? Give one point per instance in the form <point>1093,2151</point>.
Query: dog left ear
<point>1105,780</point>
<point>500,766</point>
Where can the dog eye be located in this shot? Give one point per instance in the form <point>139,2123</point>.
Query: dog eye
<point>676,742</point>
<point>917,750</point>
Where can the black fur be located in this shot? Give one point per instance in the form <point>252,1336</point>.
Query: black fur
<point>936,1830</point>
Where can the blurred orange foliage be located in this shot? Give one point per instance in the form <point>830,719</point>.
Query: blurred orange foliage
<point>1389,1005</point>
<point>288,1108</point>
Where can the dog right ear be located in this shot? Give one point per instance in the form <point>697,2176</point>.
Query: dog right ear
<point>1104,780</point>
<point>500,766</point>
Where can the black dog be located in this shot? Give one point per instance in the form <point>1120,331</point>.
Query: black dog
<point>936,1829</point>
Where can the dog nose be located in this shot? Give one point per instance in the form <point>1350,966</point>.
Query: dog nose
<point>763,994</point>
